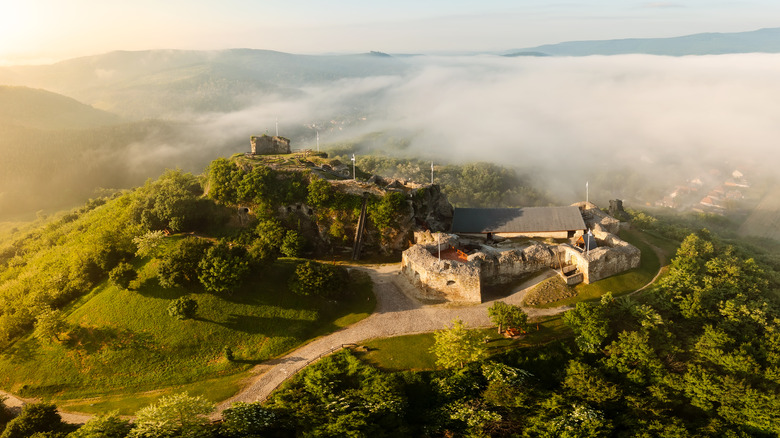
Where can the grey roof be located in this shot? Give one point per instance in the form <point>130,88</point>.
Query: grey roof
<point>516,220</point>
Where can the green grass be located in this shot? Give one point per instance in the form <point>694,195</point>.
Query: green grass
<point>412,352</point>
<point>214,390</point>
<point>628,281</point>
<point>123,343</point>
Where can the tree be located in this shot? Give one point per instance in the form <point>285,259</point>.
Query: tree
<point>270,232</point>
<point>292,244</point>
<point>35,417</point>
<point>180,265</point>
<point>5,414</point>
<point>224,180</point>
<point>103,426</point>
<point>122,275</point>
<point>49,324</point>
<point>312,278</point>
<point>246,419</point>
<point>177,415</point>
<point>183,308</point>
<point>457,345</point>
<point>223,268</point>
<point>590,323</point>
<point>507,315</point>
<point>320,193</point>
<point>149,244</point>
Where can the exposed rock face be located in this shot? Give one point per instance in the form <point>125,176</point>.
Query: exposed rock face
<point>265,145</point>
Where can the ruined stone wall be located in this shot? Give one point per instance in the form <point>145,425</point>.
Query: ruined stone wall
<point>441,280</point>
<point>266,145</point>
<point>594,216</point>
<point>502,267</point>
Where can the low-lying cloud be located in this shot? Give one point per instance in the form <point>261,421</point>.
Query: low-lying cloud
<point>552,116</point>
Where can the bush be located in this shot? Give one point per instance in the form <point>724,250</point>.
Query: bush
<point>183,308</point>
<point>228,352</point>
<point>103,426</point>
<point>122,275</point>
<point>292,245</point>
<point>223,268</point>
<point>180,266</point>
<point>35,417</point>
<point>312,278</point>
<point>246,419</point>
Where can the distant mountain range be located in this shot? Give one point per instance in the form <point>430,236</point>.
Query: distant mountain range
<point>160,83</point>
<point>758,41</point>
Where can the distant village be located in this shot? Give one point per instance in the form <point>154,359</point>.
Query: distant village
<point>713,193</point>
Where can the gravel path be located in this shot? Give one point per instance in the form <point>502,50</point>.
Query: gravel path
<point>396,314</point>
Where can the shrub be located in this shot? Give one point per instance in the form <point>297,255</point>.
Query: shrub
<point>292,245</point>
<point>122,275</point>
<point>246,419</point>
<point>183,308</point>
<point>35,417</point>
<point>223,268</point>
<point>312,278</point>
<point>180,266</point>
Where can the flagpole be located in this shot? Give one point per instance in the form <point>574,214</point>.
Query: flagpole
<point>587,192</point>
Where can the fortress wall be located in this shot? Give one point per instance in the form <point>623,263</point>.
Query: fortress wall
<point>436,279</point>
<point>507,266</point>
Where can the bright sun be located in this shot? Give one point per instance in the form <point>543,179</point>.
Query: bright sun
<point>19,31</point>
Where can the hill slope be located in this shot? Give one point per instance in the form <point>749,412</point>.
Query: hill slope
<point>46,110</point>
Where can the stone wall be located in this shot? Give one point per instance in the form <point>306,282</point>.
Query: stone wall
<point>463,281</point>
<point>441,280</point>
<point>266,145</point>
<point>502,267</point>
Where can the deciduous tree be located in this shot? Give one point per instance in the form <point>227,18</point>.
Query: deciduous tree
<point>457,345</point>
<point>506,315</point>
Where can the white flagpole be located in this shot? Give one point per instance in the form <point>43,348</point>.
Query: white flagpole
<point>277,126</point>
<point>354,176</point>
<point>587,192</point>
<point>431,172</point>
<point>318,142</point>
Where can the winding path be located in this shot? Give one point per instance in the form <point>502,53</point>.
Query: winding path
<point>396,314</point>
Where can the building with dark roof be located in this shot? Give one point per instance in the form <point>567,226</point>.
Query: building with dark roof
<point>554,222</point>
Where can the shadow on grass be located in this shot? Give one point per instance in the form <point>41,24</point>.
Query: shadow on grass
<point>151,288</point>
<point>92,339</point>
<point>256,325</point>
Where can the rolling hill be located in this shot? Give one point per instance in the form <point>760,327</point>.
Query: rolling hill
<point>42,109</point>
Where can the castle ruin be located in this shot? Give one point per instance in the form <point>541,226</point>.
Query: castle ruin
<point>457,267</point>
<point>266,145</point>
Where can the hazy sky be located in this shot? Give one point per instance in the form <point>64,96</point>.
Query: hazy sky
<point>38,30</point>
